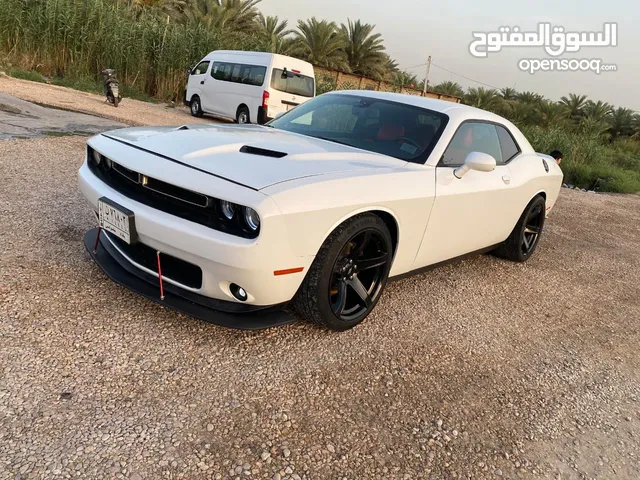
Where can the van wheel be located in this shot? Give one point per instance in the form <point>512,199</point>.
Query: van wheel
<point>196,108</point>
<point>242,116</point>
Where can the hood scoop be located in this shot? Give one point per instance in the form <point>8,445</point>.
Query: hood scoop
<point>262,151</point>
<point>183,127</point>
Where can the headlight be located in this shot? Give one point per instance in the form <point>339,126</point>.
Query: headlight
<point>251,218</point>
<point>97,158</point>
<point>228,209</point>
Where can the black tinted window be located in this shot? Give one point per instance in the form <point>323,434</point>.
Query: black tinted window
<point>390,128</point>
<point>507,144</point>
<point>239,73</point>
<point>200,69</point>
<point>292,82</point>
<point>472,137</point>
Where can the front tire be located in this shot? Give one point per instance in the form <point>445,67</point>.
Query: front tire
<point>525,236</point>
<point>348,276</point>
<point>196,107</point>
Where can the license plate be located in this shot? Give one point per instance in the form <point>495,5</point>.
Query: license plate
<point>117,220</point>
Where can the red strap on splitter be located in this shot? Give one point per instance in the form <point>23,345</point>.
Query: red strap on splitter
<point>160,275</point>
<point>95,247</point>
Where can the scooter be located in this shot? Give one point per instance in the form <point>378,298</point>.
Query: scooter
<point>111,87</point>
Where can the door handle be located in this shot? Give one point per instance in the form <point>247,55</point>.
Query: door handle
<point>506,179</point>
<point>202,82</point>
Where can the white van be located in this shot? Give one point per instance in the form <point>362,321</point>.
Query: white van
<point>248,87</point>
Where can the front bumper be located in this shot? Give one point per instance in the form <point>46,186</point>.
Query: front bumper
<point>223,259</point>
<point>218,312</point>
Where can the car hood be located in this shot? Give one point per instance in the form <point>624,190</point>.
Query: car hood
<point>251,155</point>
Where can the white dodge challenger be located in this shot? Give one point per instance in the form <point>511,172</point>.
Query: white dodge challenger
<point>313,212</point>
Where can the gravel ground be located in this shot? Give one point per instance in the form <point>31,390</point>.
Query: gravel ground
<point>131,112</point>
<point>484,369</point>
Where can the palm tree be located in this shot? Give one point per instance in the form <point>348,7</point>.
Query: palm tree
<point>320,43</point>
<point>635,125</point>
<point>364,49</point>
<point>449,88</point>
<point>575,103</point>
<point>622,122</point>
<point>486,99</point>
<point>551,114</point>
<point>275,34</point>
<point>520,113</point>
<point>508,93</point>
<point>594,127</point>
<point>529,97</point>
<point>597,110</point>
<point>390,67</point>
<point>233,15</point>
<point>405,79</point>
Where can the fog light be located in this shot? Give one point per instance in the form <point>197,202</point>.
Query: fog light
<point>238,292</point>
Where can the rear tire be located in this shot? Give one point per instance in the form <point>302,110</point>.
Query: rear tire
<point>195,106</point>
<point>347,277</point>
<point>242,116</point>
<point>524,238</point>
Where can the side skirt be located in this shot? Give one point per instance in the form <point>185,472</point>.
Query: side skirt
<point>433,266</point>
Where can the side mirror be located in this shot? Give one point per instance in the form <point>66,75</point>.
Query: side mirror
<point>478,161</point>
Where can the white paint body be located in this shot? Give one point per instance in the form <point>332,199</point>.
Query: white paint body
<point>302,197</point>
<point>223,98</point>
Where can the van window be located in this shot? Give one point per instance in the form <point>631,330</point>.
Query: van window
<point>239,73</point>
<point>293,83</point>
<point>200,69</point>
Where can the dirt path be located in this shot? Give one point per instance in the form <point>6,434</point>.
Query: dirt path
<point>131,112</point>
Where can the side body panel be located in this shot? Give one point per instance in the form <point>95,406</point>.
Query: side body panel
<point>482,208</point>
<point>313,207</point>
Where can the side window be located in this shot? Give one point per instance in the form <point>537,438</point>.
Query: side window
<point>256,75</point>
<point>201,69</point>
<point>221,71</point>
<point>507,144</point>
<point>239,73</point>
<point>472,137</point>
<point>235,73</point>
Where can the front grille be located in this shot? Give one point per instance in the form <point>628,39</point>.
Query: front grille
<point>173,268</point>
<point>181,202</point>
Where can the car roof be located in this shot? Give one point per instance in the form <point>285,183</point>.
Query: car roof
<point>455,111</point>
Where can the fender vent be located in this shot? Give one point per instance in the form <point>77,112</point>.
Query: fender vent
<point>262,151</point>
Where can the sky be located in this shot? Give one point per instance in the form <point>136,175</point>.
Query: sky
<point>415,29</point>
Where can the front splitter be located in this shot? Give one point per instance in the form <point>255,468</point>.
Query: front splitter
<point>122,272</point>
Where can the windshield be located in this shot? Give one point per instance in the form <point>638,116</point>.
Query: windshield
<point>292,82</point>
<point>380,126</point>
